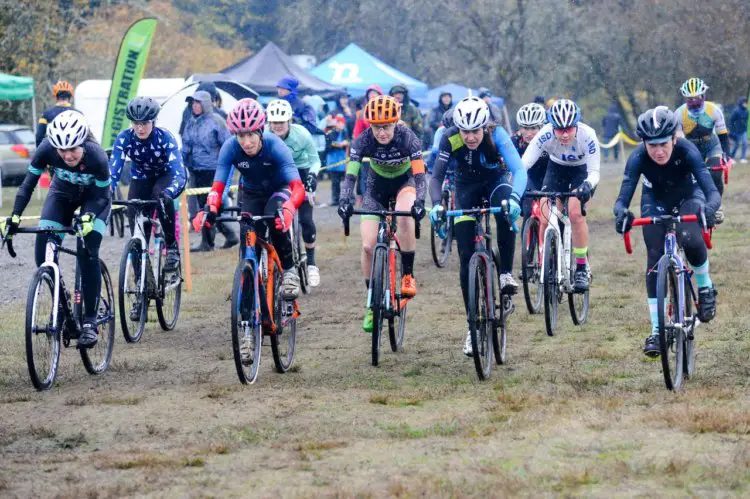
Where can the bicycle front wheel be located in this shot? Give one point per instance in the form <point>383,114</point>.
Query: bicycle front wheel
<point>671,334</point>
<point>246,331</point>
<point>578,302</point>
<point>96,360</point>
<point>500,323</point>
<point>479,316</point>
<point>283,341</point>
<point>132,303</point>
<point>169,296</point>
<point>300,257</point>
<point>379,283</point>
<point>42,335</point>
<point>531,267</point>
<point>397,322</point>
<point>551,288</point>
<point>690,318</point>
<point>441,248</point>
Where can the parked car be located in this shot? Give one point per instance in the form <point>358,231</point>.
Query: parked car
<point>17,146</point>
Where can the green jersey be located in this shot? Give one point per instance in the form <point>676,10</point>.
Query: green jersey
<point>303,148</point>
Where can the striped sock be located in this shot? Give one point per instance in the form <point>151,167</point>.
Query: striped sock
<point>580,254</point>
<point>702,277</point>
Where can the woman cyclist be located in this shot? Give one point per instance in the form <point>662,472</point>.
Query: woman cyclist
<point>485,160</point>
<point>80,180</point>
<point>305,154</point>
<point>397,172</point>
<point>530,119</point>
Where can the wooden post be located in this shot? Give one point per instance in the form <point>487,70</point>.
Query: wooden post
<point>185,234</point>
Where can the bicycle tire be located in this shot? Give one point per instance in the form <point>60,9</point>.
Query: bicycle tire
<point>119,223</point>
<point>479,323</point>
<point>300,261</point>
<point>551,287</point>
<point>284,340</point>
<point>42,284</point>
<point>530,266</point>
<point>440,255</point>
<point>132,331</point>
<point>500,324</point>
<point>577,302</point>
<point>671,339</point>
<point>379,288</point>
<point>243,322</point>
<point>170,288</point>
<point>96,360</point>
<point>397,322</point>
<point>689,361</point>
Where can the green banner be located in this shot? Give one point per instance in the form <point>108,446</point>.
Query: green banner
<point>131,62</point>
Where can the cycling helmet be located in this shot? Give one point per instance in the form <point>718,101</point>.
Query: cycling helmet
<point>279,110</point>
<point>447,119</point>
<point>564,113</point>
<point>694,87</point>
<point>142,109</point>
<point>246,116</point>
<point>62,86</point>
<point>471,113</point>
<point>657,125</point>
<point>69,129</point>
<point>382,110</point>
<point>531,115</point>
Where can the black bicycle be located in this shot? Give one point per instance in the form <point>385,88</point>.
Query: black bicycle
<point>54,316</point>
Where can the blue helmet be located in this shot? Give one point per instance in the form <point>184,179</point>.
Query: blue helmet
<point>564,113</point>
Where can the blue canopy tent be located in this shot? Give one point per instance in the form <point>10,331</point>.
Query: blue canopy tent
<point>356,70</point>
<point>457,91</point>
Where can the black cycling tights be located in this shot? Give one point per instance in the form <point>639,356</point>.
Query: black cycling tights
<point>151,189</point>
<point>306,222</point>
<point>689,236</point>
<point>261,204</point>
<point>88,263</point>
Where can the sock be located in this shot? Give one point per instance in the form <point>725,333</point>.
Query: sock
<point>580,254</point>
<point>407,262</point>
<point>702,277</point>
<point>654,313</point>
<point>310,256</point>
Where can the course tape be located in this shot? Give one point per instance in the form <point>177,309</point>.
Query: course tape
<point>619,136</point>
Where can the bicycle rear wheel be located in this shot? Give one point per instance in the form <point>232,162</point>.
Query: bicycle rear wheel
<point>671,337</point>
<point>246,330</point>
<point>397,322</point>
<point>531,268</point>
<point>132,303</point>
<point>96,360</point>
<point>379,283</point>
<point>479,317</point>
<point>169,296</point>
<point>285,338</point>
<point>578,302</point>
<point>690,317</point>
<point>42,335</point>
<point>551,288</point>
<point>500,324</point>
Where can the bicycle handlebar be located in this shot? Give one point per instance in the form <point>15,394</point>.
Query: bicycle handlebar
<point>662,219</point>
<point>561,195</point>
<point>37,230</point>
<point>383,214</point>
<point>135,202</point>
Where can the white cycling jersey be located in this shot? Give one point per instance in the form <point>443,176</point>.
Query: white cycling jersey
<point>583,150</point>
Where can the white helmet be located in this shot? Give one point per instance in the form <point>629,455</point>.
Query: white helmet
<point>69,129</point>
<point>471,113</point>
<point>564,113</point>
<point>279,110</point>
<point>531,115</point>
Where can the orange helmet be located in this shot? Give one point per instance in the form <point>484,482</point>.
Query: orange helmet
<point>62,86</point>
<point>382,110</point>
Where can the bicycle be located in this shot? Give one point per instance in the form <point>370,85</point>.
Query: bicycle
<point>298,250</point>
<point>558,263</point>
<point>384,294</point>
<point>487,316</point>
<point>259,274</point>
<point>725,167</point>
<point>531,259</point>
<point>143,279</point>
<point>441,254</point>
<point>676,300</point>
<point>53,316</point>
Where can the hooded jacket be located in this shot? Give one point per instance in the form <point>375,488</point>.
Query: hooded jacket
<point>436,117</point>
<point>410,115</point>
<point>203,136</point>
<point>303,113</point>
<point>611,123</point>
<point>738,119</point>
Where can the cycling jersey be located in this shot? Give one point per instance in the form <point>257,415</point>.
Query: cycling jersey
<point>582,150</point>
<point>157,156</point>
<point>304,151</point>
<point>473,165</point>
<point>705,128</point>
<point>537,171</point>
<point>47,116</point>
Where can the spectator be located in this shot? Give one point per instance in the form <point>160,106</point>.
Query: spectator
<point>496,114</point>
<point>361,125</point>
<point>344,108</point>
<point>539,99</point>
<point>611,126</point>
<point>738,128</point>
<point>304,114</point>
<point>445,102</point>
<point>63,93</point>
<point>204,134</point>
<point>410,115</point>
<point>209,87</point>
<point>337,142</point>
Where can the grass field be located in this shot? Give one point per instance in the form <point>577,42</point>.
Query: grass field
<point>579,414</point>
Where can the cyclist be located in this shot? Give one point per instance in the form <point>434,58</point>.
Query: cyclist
<point>485,159</point>
<point>674,177</point>
<point>157,171</point>
<point>530,118</point>
<point>269,181</point>
<point>396,171</point>
<point>305,154</point>
<point>702,123</point>
<point>80,180</point>
<point>573,166</point>
<point>63,93</point>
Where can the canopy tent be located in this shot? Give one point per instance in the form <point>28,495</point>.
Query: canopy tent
<point>263,70</point>
<point>18,88</point>
<point>457,91</point>
<point>356,70</point>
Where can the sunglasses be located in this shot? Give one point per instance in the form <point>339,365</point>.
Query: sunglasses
<point>562,131</point>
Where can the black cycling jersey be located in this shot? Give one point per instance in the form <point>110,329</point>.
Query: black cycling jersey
<point>47,116</point>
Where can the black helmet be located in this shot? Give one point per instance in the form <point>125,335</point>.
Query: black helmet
<point>142,109</point>
<point>657,125</point>
<point>447,119</point>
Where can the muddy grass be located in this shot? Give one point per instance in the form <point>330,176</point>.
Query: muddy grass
<point>578,414</point>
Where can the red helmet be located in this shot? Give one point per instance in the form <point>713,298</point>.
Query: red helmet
<point>246,116</point>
